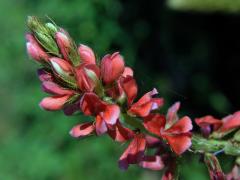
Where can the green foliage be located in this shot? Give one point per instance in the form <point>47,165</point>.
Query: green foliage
<point>206,5</point>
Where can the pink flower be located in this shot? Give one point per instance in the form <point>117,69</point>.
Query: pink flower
<point>86,54</point>
<point>134,154</point>
<point>112,67</point>
<point>220,127</point>
<point>105,114</point>
<point>34,50</point>
<point>145,104</point>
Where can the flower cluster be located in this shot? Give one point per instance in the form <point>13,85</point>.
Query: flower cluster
<point>107,91</point>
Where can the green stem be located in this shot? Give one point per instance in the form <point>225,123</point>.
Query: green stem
<point>203,145</point>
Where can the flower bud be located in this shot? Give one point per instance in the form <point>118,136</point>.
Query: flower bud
<point>63,70</point>
<point>88,77</point>
<point>86,54</point>
<point>112,67</point>
<point>54,103</point>
<point>43,35</point>
<point>52,28</point>
<point>34,49</point>
<point>48,43</point>
<point>64,44</point>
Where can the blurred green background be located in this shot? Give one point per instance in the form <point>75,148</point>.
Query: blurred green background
<point>188,49</point>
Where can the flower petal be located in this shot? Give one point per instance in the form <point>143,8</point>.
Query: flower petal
<point>134,153</point>
<point>154,123</point>
<point>208,120</point>
<point>85,82</point>
<point>91,104</point>
<point>179,143</point>
<point>82,130</point>
<point>55,89</point>
<point>54,103</point>
<point>183,125</point>
<point>111,114</point>
<point>44,75</point>
<point>34,49</point>
<point>63,43</point>
<point>146,98</point>
<point>70,109</point>
<point>120,133</point>
<point>61,66</point>
<point>146,104</point>
<point>101,126</point>
<point>231,122</point>
<point>86,54</point>
<point>152,162</point>
<point>172,116</point>
<point>127,72</point>
<point>130,88</point>
<point>112,67</point>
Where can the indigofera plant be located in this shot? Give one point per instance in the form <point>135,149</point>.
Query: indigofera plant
<point>106,90</point>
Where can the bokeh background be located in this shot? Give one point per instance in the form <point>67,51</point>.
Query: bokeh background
<point>188,49</point>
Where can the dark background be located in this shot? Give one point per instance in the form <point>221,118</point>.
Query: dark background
<point>190,52</point>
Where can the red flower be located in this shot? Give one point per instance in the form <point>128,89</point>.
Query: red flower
<point>112,67</point>
<point>85,82</point>
<point>134,154</point>
<point>35,50</point>
<point>220,127</point>
<point>105,114</point>
<point>145,104</point>
<point>177,134</point>
<point>206,122</point>
<point>86,54</point>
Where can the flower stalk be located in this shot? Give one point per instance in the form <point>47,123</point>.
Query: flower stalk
<point>107,92</point>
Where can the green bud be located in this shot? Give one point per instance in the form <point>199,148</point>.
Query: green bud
<point>238,160</point>
<point>237,136</point>
<point>232,148</point>
<point>98,85</point>
<point>65,76</point>
<point>51,28</point>
<point>43,35</point>
<point>48,43</point>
